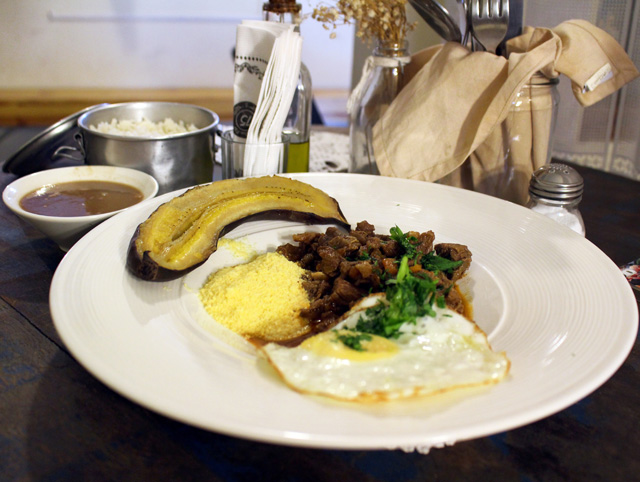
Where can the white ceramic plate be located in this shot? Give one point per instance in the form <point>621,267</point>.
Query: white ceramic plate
<point>553,301</point>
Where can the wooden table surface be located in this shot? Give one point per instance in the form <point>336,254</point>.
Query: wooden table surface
<point>57,422</point>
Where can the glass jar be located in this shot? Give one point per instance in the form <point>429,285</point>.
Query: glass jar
<point>382,79</point>
<point>538,101</point>
<point>527,136</point>
<point>503,164</point>
<point>555,190</point>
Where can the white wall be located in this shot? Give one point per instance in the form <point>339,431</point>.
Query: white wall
<point>145,44</point>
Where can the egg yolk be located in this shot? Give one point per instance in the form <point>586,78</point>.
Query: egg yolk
<point>332,344</point>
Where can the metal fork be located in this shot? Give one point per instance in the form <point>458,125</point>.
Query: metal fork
<point>489,22</point>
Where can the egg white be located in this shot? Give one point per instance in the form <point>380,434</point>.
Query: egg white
<point>434,355</point>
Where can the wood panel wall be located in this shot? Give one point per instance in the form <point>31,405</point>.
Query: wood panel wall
<point>24,107</point>
<point>43,107</point>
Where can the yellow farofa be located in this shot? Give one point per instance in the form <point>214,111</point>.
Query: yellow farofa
<point>240,248</point>
<point>261,299</point>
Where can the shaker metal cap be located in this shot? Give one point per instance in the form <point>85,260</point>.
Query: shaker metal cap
<point>557,182</point>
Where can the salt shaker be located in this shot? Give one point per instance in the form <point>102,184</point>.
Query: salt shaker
<point>555,190</point>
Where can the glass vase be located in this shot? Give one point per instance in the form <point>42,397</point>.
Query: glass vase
<point>382,79</point>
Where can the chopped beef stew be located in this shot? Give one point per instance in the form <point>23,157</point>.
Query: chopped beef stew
<point>345,267</point>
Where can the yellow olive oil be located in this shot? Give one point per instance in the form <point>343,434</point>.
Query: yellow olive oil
<point>298,158</point>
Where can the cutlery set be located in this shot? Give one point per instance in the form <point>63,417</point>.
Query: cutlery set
<point>488,23</point>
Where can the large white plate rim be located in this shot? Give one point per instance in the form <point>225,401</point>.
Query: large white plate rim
<point>364,428</point>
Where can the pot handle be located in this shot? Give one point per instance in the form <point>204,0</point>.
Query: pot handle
<point>214,133</point>
<point>67,151</point>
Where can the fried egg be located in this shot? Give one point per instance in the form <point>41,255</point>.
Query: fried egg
<point>436,354</point>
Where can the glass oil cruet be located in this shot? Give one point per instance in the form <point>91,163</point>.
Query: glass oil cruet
<point>298,123</point>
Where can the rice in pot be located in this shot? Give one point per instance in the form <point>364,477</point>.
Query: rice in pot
<point>143,128</point>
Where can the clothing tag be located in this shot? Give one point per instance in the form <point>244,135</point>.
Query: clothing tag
<point>601,76</point>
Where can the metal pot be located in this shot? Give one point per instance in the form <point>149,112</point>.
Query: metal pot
<point>175,161</point>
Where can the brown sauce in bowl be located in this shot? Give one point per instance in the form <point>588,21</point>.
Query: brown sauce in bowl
<point>80,198</point>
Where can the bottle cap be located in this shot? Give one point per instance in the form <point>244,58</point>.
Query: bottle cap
<point>557,182</point>
<point>282,6</point>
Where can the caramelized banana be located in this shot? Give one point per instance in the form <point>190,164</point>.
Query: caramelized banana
<point>182,233</point>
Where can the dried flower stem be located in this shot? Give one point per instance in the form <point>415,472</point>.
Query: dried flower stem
<point>384,21</point>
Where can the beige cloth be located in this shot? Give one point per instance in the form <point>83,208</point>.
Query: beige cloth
<point>502,165</point>
<point>457,101</point>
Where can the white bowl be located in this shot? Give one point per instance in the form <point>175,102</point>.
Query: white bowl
<point>65,231</point>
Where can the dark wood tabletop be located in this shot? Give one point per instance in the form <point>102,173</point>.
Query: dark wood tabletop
<point>58,422</point>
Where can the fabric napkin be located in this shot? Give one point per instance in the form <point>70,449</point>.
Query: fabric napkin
<point>454,106</point>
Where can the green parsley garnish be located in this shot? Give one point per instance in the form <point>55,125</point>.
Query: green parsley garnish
<point>408,297</point>
<point>430,261</point>
<point>353,340</point>
<point>406,242</point>
<point>435,263</point>
<point>364,256</point>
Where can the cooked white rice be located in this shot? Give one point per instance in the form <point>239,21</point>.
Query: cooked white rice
<point>143,128</point>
